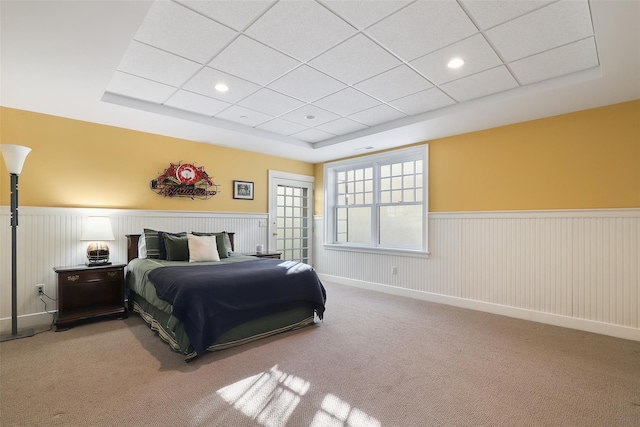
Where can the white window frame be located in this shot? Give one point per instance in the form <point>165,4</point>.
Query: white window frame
<point>330,200</point>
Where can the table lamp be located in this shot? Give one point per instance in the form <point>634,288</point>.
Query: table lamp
<point>97,230</point>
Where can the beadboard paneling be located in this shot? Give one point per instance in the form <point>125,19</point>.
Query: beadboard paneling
<point>574,268</point>
<point>580,265</point>
<point>49,237</point>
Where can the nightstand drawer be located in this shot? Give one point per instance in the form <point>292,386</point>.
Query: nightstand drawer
<point>81,277</point>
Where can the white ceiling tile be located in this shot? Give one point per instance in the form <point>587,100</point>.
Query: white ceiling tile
<point>350,64</point>
<point>319,115</point>
<point>244,116</point>
<point>172,27</point>
<point>362,13</point>
<point>302,29</point>
<point>488,13</point>
<point>482,84</point>
<point>553,63</point>
<point>313,135</point>
<point>475,51</point>
<point>193,102</point>
<point>355,60</point>
<point>139,88</point>
<point>253,61</point>
<point>377,115</point>
<point>154,64</point>
<point>341,126</point>
<point>281,127</point>
<point>423,27</point>
<point>552,26</point>
<point>306,84</point>
<point>421,102</point>
<point>395,83</point>
<point>270,102</point>
<point>346,102</point>
<point>204,82</point>
<point>236,14</point>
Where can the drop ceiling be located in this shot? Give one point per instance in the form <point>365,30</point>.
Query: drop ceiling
<point>313,71</point>
<point>319,80</point>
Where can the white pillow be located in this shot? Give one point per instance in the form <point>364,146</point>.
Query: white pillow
<point>142,247</point>
<point>202,248</point>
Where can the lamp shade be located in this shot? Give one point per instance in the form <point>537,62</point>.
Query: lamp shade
<point>14,157</point>
<point>97,229</point>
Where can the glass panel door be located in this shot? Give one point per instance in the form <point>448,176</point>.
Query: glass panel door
<point>291,218</point>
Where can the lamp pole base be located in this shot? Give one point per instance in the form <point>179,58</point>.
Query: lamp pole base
<point>21,334</point>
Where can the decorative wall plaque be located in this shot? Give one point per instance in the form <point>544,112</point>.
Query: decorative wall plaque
<point>184,180</point>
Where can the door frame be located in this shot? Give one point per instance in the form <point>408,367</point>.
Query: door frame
<point>271,223</point>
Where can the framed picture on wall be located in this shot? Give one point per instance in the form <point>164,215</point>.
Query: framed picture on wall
<point>243,190</point>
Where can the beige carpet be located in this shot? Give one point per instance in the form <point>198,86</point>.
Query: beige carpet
<point>377,360</point>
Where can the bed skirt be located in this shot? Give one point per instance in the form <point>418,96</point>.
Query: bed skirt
<point>172,332</point>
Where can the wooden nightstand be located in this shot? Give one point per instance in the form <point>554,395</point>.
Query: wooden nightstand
<point>275,255</point>
<point>89,292</point>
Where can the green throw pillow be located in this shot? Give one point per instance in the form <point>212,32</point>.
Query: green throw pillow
<point>177,247</point>
<point>162,246</point>
<point>227,242</point>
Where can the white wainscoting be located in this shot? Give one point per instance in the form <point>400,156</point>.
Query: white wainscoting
<point>49,237</point>
<point>577,269</point>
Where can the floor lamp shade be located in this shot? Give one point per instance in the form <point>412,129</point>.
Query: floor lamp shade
<point>14,157</point>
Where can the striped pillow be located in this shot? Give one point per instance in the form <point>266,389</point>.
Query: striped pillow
<point>152,243</point>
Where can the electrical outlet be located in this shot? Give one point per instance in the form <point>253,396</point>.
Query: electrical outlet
<point>40,289</point>
<point>394,270</point>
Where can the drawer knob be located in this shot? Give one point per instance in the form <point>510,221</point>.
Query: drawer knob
<point>112,273</point>
<point>73,278</point>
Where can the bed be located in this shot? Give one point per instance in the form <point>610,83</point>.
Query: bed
<point>214,303</point>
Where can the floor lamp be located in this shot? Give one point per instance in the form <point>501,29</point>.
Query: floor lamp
<point>14,157</point>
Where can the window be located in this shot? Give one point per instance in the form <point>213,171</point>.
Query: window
<point>378,202</point>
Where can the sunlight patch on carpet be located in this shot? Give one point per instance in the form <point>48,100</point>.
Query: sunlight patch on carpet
<point>335,412</point>
<point>270,398</point>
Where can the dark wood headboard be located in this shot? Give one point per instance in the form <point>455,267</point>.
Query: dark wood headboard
<point>133,239</point>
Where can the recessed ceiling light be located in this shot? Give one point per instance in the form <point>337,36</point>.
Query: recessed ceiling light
<point>310,117</point>
<point>455,63</point>
<point>221,87</point>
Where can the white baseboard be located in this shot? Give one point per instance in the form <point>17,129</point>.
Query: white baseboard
<point>518,313</point>
<point>36,321</point>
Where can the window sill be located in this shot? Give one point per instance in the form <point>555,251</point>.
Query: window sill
<point>378,251</point>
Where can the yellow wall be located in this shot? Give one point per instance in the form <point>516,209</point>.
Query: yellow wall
<point>584,160</point>
<point>81,164</point>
